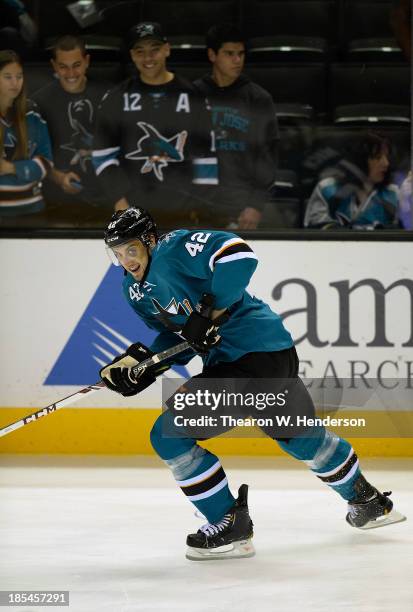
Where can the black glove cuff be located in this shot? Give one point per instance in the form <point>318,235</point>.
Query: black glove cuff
<point>139,351</point>
<point>196,327</point>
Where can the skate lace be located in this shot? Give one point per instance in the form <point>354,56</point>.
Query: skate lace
<point>214,528</point>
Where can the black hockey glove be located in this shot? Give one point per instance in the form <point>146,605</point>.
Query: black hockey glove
<point>119,376</point>
<point>200,330</point>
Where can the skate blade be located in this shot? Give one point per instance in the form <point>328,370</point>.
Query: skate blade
<point>386,519</point>
<point>235,550</point>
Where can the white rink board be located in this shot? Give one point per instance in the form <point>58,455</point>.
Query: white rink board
<point>48,284</point>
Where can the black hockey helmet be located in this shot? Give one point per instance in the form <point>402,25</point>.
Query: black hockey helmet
<point>128,224</point>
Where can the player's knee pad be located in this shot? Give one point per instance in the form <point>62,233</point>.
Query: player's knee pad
<point>166,440</point>
<point>185,465</point>
<point>332,452</point>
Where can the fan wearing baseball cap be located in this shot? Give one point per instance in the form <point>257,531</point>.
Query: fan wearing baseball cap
<point>149,50</point>
<point>153,136</point>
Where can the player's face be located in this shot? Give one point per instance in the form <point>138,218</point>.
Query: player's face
<point>71,67</point>
<point>378,166</point>
<point>133,256</point>
<point>228,63</point>
<point>149,57</point>
<point>11,83</point>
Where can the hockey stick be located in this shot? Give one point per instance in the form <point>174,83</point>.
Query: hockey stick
<point>71,399</point>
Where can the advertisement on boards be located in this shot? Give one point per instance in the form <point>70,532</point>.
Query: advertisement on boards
<point>348,306</point>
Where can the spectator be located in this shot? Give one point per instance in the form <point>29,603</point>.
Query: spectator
<point>25,151</point>
<point>245,129</point>
<point>153,135</point>
<point>69,106</point>
<point>360,194</point>
<point>401,22</point>
<point>18,30</point>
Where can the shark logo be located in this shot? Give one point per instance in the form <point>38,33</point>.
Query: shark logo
<point>10,142</point>
<point>145,29</point>
<point>173,309</point>
<point>80,115</point>
<point>158,151</point>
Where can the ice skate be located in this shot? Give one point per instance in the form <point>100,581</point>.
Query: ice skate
<point>370,508</point>
<point>228,538</point>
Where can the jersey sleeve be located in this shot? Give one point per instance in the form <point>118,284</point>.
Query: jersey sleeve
<point>107,147</point>
<point>222,258</point>
<point>36,168</point>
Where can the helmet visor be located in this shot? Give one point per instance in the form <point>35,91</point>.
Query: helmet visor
<point>112,256</point>
<point>129,250</point>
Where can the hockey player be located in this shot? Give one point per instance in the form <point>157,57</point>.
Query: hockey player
<point>153,134</point>
<point>241,337</point>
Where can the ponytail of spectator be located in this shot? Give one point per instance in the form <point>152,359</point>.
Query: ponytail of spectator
<point>16,113</point>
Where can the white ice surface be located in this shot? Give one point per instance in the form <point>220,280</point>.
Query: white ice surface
<point>112,532</point>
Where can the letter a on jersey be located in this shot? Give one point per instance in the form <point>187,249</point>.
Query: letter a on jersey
<point>183,104</point>
<point>158,151</point>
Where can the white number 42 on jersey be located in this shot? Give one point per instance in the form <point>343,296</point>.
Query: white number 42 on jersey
<point>198,242</point>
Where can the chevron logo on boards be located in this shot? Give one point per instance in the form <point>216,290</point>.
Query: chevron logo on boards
<point>106,328</point>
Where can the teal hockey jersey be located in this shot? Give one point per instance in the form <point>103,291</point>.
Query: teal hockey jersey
<point>20,193</point>
<point>184,265</point>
